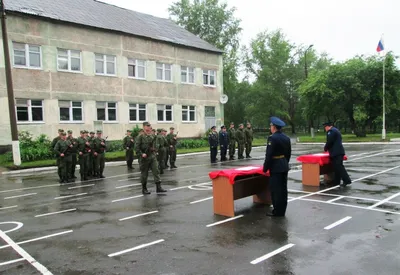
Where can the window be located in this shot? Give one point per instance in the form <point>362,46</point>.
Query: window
<point>27,56</point>
<point>69,60</point>
<point>29,110</point>
<point>187,75</point>
<point>106,111</point>
<point>164,72</point>
<point>70,111</point>
<point>137,112</point>
<point>164,113</point>
<point>188,113</point>
<point>209,77</point>
<point>137,68</point>
<point>105,64</point>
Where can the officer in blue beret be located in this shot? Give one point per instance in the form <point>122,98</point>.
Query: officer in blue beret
<point>277,159</point>
<point>336,153</point>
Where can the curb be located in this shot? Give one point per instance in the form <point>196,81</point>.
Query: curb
<point>109,164</point>
<point>355,143</point>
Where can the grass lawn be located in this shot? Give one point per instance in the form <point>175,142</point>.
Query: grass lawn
<point>111,156</point>
<point>321,137</point>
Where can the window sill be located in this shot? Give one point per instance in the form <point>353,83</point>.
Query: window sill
<point>164,81</point>
<point>136,78</point>
<point>188,83</point>
<point>210,86</point>
<point>30,122</point>
<point>106,75</point>
<point>165,122</point>
<point>28,68</point>
<point>189,122</point>
<point>133,122</point>
<point>72,122</point>
<point>67,71</point>
<point>110,122</point>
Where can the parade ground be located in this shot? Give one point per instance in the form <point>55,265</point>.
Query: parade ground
<point>108,227</point>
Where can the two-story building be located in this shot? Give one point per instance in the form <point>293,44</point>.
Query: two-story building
<point>84,64</point>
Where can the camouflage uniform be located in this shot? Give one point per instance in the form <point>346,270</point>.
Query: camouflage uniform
<point>240,137</point>
<point>171,138</point>
<point>162,145</point>
<point>248,132</point>
<point>146,147</point>
<point>53,144</point>
<point>232,142</point>
<point>129,143</point>
<point>74,151</point>
<point>99,149</point>
<point>83,151</point>
<point>62,149</point>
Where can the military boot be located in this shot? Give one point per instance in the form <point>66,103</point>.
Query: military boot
<point>159,188</point>
<point>144,189</point>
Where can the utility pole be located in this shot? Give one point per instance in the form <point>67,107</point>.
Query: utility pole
<point>306,75</point>
<point>10,90</point>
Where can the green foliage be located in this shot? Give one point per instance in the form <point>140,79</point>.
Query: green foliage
<point>192,143</point>
<point>135,131</point>
<point>32,149</point>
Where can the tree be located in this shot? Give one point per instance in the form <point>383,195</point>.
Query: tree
<point>214,22</point>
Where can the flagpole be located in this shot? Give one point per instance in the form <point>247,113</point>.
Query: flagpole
<point>383,96</point>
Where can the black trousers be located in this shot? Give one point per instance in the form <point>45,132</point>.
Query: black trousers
<point>340,171</point>
<point>279,192</point>
<point>213,154</point>
<point>224,150</point>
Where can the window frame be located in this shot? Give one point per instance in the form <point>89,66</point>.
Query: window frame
<point>137,108</point>
<point>106,115</point>
<point>187,75</point>
<point>165,113</point>
<point>27,57</point>
<point>69,70</point>
<point>105,64</point>
<point>134,61</point>
<point>208,73</point>
<point>163,72</point>
<point>29,106</point>
<point>71,112</point>
<point>187,109</point>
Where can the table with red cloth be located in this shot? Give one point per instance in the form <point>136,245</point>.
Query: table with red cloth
<point>233,184</point>
<point>314,165</point>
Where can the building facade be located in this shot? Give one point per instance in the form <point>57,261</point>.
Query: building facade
<point>77,77</point>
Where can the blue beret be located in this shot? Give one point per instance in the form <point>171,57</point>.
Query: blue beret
<point>277,122</point>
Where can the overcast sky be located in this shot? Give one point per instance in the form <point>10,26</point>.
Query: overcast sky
<point>342,28</point>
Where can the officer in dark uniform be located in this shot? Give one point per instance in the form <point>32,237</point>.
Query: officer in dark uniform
<point>336,153</point>
<point>223,142</point>
<point>213,141</point>
<point>277,159</point>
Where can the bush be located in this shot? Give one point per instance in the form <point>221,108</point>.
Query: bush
<point>192,143</point>
<point>32,149</point>
<point>114,145</point>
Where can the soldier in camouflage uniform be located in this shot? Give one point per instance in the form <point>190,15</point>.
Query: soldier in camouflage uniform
<point>232,141</point>
<point>171,138</point>
<point>146,148</point>
<point>53,144</point>
<point>141,132</point>
<point>240,137</point>
<point>248,133</point>
<point>91,160</point>
<point>73,151</point>
<point>62,149</point>
<point>162,146</point>
<point>83,154</point>
<point>129,143</point>
<point>99,149</point>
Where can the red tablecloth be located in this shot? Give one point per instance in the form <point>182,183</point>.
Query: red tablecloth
<point>321,158</point>
<point>242,171</point>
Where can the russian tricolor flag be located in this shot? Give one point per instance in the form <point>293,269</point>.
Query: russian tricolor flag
<point>380,47</point>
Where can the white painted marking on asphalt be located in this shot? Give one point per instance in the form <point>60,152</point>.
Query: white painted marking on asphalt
<point>41,268</point>
<point>20,196</point>
<point>370,156</point>
<point>138,215</point>
<point>336,199</point>
<point>134,248</point>
<point>129,198</point>
<point>126,186</point>
<point>353,206</point>
<point>224,221</point>
<point>8,207</point>
<point>383,201</point>
<point>271,254</point>
<point>136,178</point>
<point>12,261</point>
<point>54,213</point>
<point>81,186</point>
<point>70,196</point>
<point>40,238</point>
<point>334,187</point>
<point>206,199</point>
<point>19,225</point>
<point>187,186</point>
<point>337,223</point>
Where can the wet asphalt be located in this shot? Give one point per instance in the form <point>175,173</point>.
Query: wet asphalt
<point>97,221</point>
